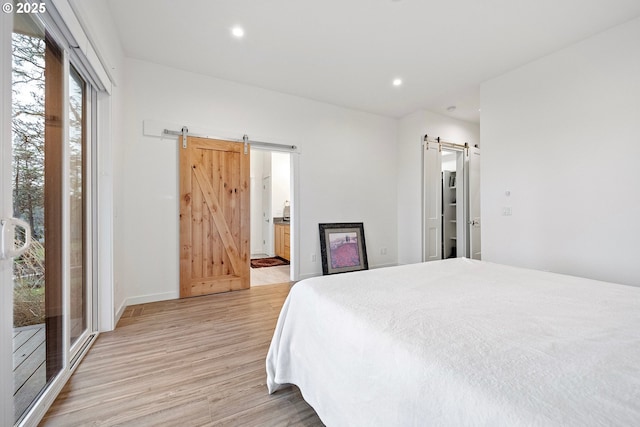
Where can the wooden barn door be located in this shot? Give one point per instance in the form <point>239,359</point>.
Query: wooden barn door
<point>214,217</point>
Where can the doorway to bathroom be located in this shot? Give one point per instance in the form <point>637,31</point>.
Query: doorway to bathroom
<point>271,196</point>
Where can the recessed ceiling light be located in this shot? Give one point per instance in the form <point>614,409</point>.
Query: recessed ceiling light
<point>397,82</point>
<point>237,32</point>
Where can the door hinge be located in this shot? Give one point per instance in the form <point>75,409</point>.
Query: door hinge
<point>184,136</point>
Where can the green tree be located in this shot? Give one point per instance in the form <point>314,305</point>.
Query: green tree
<point>28,82</point>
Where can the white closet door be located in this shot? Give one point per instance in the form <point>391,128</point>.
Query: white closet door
<point>474,203</point>
<point>461,204</point>
<point>432,203</point>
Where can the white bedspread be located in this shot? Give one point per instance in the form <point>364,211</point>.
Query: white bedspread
<point>461,342</point>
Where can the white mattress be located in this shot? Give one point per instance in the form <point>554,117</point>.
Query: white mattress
<point>461,342</point>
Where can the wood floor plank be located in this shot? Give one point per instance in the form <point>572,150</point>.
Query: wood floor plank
<point>190,362</point>
<point>23,398</point>
<point>23,335</point>
<point>24,349</point>
<point>27,368</point>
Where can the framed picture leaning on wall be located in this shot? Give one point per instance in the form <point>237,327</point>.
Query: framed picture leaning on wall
<point>343,247</point>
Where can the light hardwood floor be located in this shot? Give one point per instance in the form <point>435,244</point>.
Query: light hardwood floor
<point>190,362</point>
<point>269,275</point>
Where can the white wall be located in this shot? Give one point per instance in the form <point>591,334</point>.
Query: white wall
<point>411,131</point>
<point>347,167</point>
<point>98,25</point>
<point>562,134</point>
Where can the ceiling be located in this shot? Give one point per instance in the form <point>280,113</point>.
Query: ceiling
<point>347,52</point>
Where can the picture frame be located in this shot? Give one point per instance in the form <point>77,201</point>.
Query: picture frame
<point>343,247</point>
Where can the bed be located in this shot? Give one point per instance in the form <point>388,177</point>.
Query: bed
<point>460,342</point>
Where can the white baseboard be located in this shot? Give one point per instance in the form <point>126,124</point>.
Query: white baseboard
<point>383,266</point>
<point>119,313</point>
<point>143,299</point>
<point>309,275</point>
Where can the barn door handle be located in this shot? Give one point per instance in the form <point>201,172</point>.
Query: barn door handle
<point>9,250</point>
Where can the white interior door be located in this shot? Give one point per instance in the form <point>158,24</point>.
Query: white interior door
<point>474,203</point>
<point>461,188</point>
<point>432,203</point>
<point>267,226</point>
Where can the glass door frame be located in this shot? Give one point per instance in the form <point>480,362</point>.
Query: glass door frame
<point>6,210</point>
<point>90,249</point>
<point>71,355</point>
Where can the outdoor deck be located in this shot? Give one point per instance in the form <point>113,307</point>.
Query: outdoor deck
<point>28,365</point>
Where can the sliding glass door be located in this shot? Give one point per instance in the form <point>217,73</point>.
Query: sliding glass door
<point>77,152</point>
<point>37,193</point>
<point>49,194</point>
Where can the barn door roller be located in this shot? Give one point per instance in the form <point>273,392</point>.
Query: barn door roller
<point>184,136</point>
